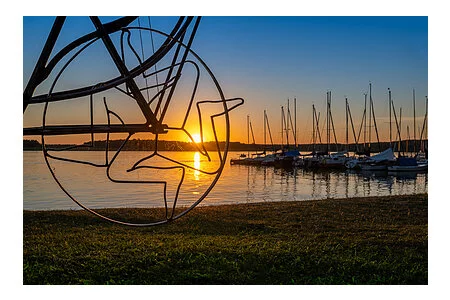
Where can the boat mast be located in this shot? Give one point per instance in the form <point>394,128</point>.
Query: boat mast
<point>289,120</point>
<point>424,121</point>
<point>332,127</point>
<point>295,122</point>
<point>390,120</point>
<point>374,120</point>
<point>248,136</point>
<point>407,141</point>
<point>314,128</point>
<point>365,120</point>
<point>268,127</point>
<point>328,122</point>
<point>282,128</point>
<point>253,136</point>
<point>353,128</point>
<point>398,129</point>
<point>414,110</point>
<point>400,132</point>
<point>317,125</point>
<point>370,115</point>
<point>287,116</point>
<point>265,138</point>
<point>346,123</point>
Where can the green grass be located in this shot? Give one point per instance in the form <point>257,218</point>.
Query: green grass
<point>378,240</point>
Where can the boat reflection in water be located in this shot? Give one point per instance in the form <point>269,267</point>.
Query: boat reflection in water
<point>272,184</point>
<point>407,175</point>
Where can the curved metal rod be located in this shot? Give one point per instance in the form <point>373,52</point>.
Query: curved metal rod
<point>148,181</point>
<point>54,83</point>
<point>148,63</point>
<point>95,88</point>
<point>164,182</point>
<point>241,101</point>
<point>203,152</point>
<point>75,160</point>
<point>179,165</point>
<point>96,213</point>
<point>42,70</point>
<point>216,83</point>
<point>180,68</point>
<point>219,171</point>
<point>109,27</point>
<point>82,161</point>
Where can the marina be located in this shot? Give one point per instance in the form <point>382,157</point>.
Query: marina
<point>367,155</point>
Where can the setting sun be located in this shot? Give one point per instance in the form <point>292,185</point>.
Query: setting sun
<point>196,138</point>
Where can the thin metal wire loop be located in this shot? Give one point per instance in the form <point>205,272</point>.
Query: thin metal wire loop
<point>169,85</point>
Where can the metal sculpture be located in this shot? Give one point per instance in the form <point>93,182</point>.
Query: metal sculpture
<point>151,85</point>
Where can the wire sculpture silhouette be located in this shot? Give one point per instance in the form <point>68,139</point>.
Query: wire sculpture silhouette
<point>161,89</point>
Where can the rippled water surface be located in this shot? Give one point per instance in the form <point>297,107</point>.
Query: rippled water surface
<point>237,184</point>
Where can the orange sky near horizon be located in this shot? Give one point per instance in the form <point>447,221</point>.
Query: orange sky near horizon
<point>265,61</point>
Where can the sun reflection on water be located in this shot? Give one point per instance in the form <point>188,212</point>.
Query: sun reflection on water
<point>237,184</point>
<point>197,165</point>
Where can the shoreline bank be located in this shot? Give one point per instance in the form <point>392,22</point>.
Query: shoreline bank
<point>367,240</point>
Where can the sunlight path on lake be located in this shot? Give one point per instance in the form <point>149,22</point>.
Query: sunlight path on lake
<point>237,184</point>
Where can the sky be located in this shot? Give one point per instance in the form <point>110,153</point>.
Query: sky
<point>268,60</point>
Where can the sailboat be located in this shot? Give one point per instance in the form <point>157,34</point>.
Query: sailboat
<point>422,154</point>
<point>379,162</point>
<point>411,164</point>
<point>408,164</point>
<point>360,156</point>
<point>257,158</point>
<point>244,159</point>
<point>382,160</point>
<point>288,156</point>
<point>312,160</point>
<point>355,161</point>
<point>336,159</point>
<point>268,159</point>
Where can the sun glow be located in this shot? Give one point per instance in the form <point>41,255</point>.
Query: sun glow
<point>196,138</point>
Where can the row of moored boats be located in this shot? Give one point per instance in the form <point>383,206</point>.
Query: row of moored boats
<point>383,161</point>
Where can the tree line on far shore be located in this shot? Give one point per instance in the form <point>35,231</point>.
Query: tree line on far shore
<point>149,145</point>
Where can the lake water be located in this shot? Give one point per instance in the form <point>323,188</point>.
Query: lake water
<point>237,184</point>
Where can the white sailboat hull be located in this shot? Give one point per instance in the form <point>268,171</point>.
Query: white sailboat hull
<point>408,168</point>
<point>374,167</point>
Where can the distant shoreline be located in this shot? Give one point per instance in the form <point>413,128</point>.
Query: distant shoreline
<point>149,145</point>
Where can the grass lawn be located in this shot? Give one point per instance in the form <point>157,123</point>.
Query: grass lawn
<point>375,240</point>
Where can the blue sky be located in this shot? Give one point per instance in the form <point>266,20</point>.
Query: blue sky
<point>267,60</point>
<point>270,59</point>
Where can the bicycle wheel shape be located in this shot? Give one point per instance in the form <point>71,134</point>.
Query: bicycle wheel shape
<point>156,103</point>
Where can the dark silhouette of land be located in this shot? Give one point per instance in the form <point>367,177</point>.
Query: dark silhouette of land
<point>149,145</point>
